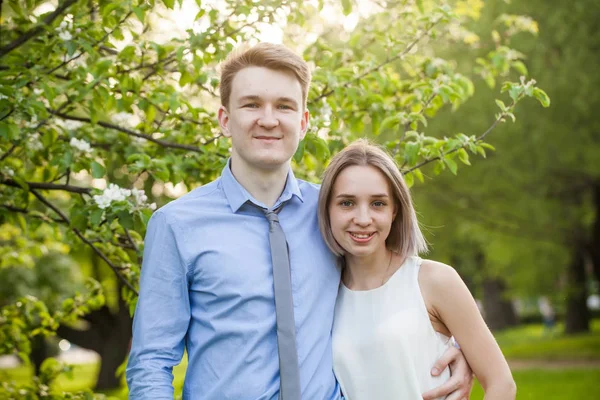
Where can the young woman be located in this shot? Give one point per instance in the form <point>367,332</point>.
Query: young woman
<point>395,312</point>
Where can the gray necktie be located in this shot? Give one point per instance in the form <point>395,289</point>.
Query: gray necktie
<point>289,372</point>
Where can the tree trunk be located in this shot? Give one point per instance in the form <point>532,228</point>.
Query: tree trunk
<point>577,318</point>
<point>499,311</point>
<point>594,246</point>
<point>109,335</point>
<point>114,349</point>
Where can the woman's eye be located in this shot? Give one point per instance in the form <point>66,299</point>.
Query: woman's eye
<point>346,203</point>
<point>379,203</point>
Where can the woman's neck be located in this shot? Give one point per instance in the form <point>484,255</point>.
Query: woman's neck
<point>370,272</point>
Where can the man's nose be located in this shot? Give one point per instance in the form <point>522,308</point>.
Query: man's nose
<point>268,119</point>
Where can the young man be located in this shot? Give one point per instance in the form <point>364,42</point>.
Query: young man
<point>207,282</point>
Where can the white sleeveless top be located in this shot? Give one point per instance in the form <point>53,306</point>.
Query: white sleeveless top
<point>384,345</point>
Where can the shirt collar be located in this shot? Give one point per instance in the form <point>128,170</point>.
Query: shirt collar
<point>237,196</point>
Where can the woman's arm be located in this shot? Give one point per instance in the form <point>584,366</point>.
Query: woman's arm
<point>454,312</point>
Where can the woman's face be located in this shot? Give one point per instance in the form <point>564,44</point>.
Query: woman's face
<point>361,210</point>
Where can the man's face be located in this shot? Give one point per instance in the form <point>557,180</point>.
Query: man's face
<point>265,118</point>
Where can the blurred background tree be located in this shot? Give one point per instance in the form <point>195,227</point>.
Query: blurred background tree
<point>107,110</point>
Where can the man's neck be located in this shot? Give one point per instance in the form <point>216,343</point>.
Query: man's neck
<point>265,185</point>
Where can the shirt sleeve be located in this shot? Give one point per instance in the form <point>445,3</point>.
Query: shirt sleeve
<point>162,314</point>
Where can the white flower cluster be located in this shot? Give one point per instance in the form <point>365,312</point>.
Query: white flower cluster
<point>33,123</point>
<point>8,171</point>
<point>65,28</point>
<point>111,193</point>
<point>81,145</point>
<point>34,143</point>
<point>115,193</point>
<point>69,125</point>
<point>125,119</point>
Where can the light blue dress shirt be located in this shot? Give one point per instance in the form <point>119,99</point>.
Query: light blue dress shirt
<point>207,286</point>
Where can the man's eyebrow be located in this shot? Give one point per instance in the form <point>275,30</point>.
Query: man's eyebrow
<point>253,97</point>
<point>351,196</point>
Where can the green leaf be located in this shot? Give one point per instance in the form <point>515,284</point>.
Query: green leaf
<point>388,123</point>
<point>71,47</point>
<point>96,216</point>
<point>542,97</point>
<point>451,165</point>
<point>438,167</point>
<point>419,175</point>
<point>501,104</point>
<point>487,146</point>
<point>299,155</point>
<point>186,78</point>
<point>520,67</point>
<point>463,156</point>
<point>98,171</point>
<point>411,152</point>
<point>481,151</point>
<point>347,6</point>
<point>169,3</point>
<point>125,219</point>
<point>140,13</point>
<point>409,179</point>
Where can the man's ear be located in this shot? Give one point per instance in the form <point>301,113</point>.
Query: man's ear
<point>304,124</point>
<point>224,121</point>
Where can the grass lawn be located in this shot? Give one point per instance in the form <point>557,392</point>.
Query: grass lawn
<point>524,342</point>
<point>532,342</point>
<point>552,384</point>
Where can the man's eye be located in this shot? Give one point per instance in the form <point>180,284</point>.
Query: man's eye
<point>250,105</point>
<point>285,107</point>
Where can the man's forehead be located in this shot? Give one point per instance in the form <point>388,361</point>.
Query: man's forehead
<point>265,83</point>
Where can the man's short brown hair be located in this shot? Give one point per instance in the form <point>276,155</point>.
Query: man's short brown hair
<point>267,55</point>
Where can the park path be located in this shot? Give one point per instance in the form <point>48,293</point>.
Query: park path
<point>554,364</point>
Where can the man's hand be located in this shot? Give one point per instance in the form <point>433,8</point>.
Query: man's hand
<point>458,387</point>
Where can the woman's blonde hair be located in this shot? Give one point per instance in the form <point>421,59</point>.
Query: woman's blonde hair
<point>405,235</point>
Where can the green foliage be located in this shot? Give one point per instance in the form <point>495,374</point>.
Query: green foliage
<point>105,114</point>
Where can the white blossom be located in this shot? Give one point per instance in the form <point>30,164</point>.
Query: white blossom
<point>125,119</point>
<point>69,125</point>
<point>65,35</point>
<point>34,143</point>
<point>81,145</point>
<point>32,124</point>
<point>112,193</point>
<point>8,171</point>
<point>65,27</point>
<point>3,96</point>
<point>140,196</point>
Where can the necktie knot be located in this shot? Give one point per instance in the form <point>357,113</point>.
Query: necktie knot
<point>271,217</point>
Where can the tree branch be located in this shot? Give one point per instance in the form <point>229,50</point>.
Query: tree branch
<point>29,213</point>
<point>25,37</point>
<point>478,139</point>
<point>94,45</point>
<point>84,239</point>
<point>48,186</point>
<point>379,66</point>
<point>8,152</point>
<point>127,131</point>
